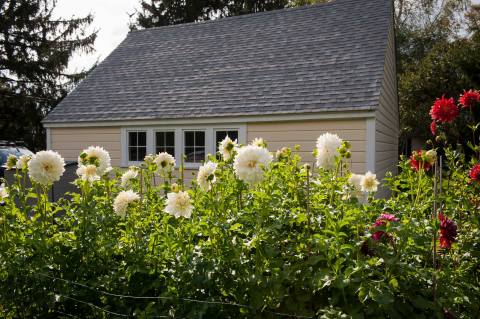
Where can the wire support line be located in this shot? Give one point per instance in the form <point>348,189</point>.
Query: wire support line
<point>98,308</point>
<point>94,306</point>
<point>106,293</point>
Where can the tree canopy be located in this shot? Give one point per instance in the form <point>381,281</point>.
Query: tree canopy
<point>449,66</point>
<point>35,49</point>
<point>155,13</point>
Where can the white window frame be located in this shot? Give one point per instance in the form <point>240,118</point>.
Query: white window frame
<point>125,145</point>
<point>207,149</point>
<point>179,130</point>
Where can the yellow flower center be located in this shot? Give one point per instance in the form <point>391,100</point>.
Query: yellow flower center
<point>252,164</point>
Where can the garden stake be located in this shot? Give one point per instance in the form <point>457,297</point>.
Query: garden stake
<point>309,247</point>
<point>434,217</point>
<point>182,170</point>
<point>141,184</point>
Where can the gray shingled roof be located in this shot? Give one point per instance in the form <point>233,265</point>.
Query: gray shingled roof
<point>327,57</point>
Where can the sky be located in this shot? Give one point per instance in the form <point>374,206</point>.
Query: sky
<point>110,19</point>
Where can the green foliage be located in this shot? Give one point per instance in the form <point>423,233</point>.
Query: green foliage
<point>437,53</point>
<point>296,244</point>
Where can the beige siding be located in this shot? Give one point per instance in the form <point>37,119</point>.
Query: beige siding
<point>387,117</point>
<point>69,142</point>
<point>305,134</point>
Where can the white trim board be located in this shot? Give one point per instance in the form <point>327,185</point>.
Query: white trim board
<point>223,120</point>
<point>370,145</point>
<point>48,136</point>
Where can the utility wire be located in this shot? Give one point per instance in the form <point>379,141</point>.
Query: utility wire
<point>157,298</point>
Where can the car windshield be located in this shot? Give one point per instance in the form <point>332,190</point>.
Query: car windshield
<point>17,151</point>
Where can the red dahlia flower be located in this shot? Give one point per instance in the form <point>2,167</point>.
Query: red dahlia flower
<point>382,221</point>
<point>433,128</point>
<point>417,161</point>
<point>444,110</point>
<point>448,231</point>
<point>470,98</point>
<point>475,173</point>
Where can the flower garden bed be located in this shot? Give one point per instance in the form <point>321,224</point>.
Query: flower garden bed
<point>256,235</point>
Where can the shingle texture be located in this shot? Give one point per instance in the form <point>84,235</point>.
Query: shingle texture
<point>327,57</point>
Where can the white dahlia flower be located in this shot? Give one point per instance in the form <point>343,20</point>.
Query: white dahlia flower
<point>3,192</point>
<point>22,162</point>
<point>46,167</point>
<point>356,181</point>
<point>123,199</point>
<point>206,175</point>
<point>165,163</point>
<point>97,156</point>
<point>179,204</point>
<point>258,141</point>
<point>227,148</point>
<point>327,145</point>
<point>249,163</point>
<point>88,173</point>
<point>369,182</point>
<point>132,173</point>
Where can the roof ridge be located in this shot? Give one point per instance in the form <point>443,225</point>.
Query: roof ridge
<point>243,16</point>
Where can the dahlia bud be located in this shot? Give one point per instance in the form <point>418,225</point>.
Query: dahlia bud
<point>431,156</point>
<point>175,188</point>
<point>11,161</point>
<point>149,159</point>
<point>283,153</point>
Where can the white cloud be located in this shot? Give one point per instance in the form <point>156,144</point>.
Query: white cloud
<point>111,19</point>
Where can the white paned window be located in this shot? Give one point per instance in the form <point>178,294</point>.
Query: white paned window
<point>137,146</point>
<point>194,146</point>
<point>165,142</point>
<point>194,142</point>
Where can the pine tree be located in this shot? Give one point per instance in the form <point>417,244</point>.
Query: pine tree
<point>155,13</point>
<point>35,50</point>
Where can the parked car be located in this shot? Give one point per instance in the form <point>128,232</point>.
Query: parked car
<point>11,148</point>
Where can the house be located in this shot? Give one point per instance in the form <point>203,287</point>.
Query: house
<point>285,75</point>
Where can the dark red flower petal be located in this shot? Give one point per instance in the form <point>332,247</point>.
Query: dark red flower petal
<point>448,231</point>
<point>444,110</point>
<point>416,162</point>
<point>475,173</point>
<point>469,98</point>
<point>433,128</point>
